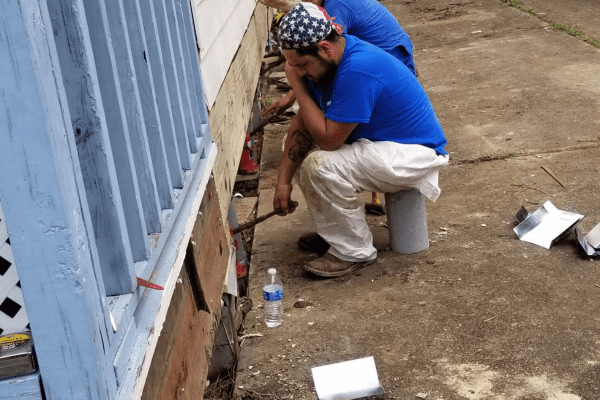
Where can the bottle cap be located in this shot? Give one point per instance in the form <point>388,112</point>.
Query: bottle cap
<point>272,271</point>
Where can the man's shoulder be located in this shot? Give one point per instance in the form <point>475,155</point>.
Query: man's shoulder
<point>369,64</point>
<point>335,4</point>
<point>358,7</point>
<point>359,52</point>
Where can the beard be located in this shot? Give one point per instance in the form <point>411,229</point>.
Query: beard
<point>330,68</point>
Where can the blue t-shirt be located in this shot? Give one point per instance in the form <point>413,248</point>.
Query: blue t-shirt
<point>370,21</point>
<point>375,90</point>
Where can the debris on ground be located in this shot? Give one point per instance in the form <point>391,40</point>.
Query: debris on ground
<point>546,226</point>
<point>347,380</point>
<point>590,243</point>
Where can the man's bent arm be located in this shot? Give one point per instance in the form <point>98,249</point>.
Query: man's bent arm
<point>296,148</point>
<point>328,134</point>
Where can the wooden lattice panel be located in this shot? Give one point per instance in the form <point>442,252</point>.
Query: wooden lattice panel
<point>13,315</point>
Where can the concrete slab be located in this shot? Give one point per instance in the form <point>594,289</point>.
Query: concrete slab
<point>498,90</point>
<point>480,314</point>
<point>581,15</point>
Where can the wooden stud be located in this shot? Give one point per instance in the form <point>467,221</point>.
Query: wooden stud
<point>147,94</point>
<point>95,146</point>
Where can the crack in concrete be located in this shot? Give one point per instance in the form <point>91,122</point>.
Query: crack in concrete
<point>522,154</point>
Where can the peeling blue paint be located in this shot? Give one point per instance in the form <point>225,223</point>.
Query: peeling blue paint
<point>107,157</point>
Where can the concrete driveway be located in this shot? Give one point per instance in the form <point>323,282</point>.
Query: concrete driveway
<point>480,314</point>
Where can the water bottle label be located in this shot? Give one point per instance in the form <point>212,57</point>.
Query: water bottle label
<point>273,296</point>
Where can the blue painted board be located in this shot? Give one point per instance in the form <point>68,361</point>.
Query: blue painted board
<point>205,141</point>
<point>48,202</point>
<point>118,129</point>
<point>145,84</point>
<point>164,36</point>
<point>124,352</point>
<point>94,146</point>
<point>163,101</point>
<point>45,203</point>
<point>122,309</point>
<point>22,388</point>
<point>195,65</point>
<point>165,270</point>
<point>133,113</point>
<point>185,82</point>
<point>190,51</point>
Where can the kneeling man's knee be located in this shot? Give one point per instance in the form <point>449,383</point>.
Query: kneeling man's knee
<point>310,167</point>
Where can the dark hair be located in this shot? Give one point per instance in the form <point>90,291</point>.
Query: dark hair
<point>313,49</point>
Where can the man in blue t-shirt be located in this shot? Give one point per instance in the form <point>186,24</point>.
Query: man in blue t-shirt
<point>374,127</point>
<point>368,20</point>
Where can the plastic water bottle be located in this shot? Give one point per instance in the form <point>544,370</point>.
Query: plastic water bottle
<point>273,293</point>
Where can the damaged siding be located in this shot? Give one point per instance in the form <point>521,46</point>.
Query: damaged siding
<point>106,152</point>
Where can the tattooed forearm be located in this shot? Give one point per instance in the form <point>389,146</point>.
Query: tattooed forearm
<point>301,142</point>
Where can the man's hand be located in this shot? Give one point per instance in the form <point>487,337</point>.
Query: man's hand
<point>282,104</point>
<point>282,199</point>
<point>294,78</point>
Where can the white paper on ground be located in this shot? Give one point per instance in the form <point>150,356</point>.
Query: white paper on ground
<point>347,380</point>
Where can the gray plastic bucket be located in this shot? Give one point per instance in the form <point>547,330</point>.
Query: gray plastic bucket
<point>407,221</point>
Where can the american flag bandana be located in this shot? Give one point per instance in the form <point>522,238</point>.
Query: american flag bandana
<point>305,25</point>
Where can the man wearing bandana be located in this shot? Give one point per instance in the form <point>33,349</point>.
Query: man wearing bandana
<point>368,20</point>
<point>365,124</point>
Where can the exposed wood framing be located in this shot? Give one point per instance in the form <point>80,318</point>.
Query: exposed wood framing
<point>176,256</point>
<point>230,114</point>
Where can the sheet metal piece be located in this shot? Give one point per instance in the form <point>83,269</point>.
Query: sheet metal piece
<point>593,237</point>
<point>584,245</point>
<point>522,214</point>
<point>547,225</point>
<point>232,286</point>
<point>347,380</point>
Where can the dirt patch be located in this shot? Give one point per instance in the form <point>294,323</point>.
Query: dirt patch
<point>247,188</point>
<point>440,14</point>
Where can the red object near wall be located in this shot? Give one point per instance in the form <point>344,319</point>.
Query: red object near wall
<point>247,164</point>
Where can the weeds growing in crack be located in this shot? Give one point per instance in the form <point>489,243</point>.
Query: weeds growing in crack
<point>519,6</point>
<point>561,27</point>
<point>576,33</point>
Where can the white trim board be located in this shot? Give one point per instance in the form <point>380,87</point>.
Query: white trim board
<point>220,27</point>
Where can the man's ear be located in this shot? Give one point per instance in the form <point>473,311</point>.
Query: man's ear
<point>325,48</point>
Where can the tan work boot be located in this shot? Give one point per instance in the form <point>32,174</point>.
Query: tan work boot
<point>312,241</point>
<point>330,266</point>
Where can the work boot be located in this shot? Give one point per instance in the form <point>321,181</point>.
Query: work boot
<point>374,209</point>
<point>312,241</point>
<point>329,266</point>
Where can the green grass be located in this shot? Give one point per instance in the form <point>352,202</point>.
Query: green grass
<point>561,27</point>
<point>519,6</point>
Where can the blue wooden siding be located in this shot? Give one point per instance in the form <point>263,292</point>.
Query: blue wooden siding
<point>24,388</point>
<point>105,149</point>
